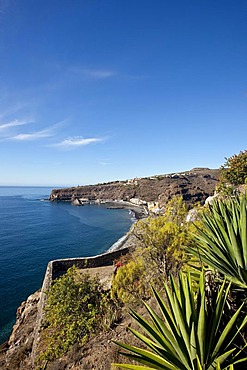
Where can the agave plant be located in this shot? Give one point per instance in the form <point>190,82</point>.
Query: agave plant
<point>189,334</point>
<point>222,242</point>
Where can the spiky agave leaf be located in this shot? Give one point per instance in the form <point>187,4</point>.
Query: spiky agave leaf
<point>186,334</point>
<point>222,242</point>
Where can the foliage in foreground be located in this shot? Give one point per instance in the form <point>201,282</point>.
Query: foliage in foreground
<point>188,334</point>
<point>222,241</point>
<point>76,307</point>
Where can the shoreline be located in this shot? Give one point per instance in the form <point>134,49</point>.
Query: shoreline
<point>126,241</point>
<point>139,211</point>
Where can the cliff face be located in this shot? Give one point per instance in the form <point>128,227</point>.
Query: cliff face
<point>16,353</point>
<point>195,186</point>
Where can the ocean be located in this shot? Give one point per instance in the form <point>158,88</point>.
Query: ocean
<point>34,231</point>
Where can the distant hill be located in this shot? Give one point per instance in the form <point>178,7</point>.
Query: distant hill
<point>194,186</point>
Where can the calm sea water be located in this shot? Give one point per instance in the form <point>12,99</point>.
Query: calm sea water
<point>33,232</point>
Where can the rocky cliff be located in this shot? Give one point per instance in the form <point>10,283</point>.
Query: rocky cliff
<point>195,186</point>
<point>15,354</point>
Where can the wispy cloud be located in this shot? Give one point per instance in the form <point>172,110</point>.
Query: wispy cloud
<point>97,74</point>
<point>104,162</point>
<point>29,137</point>
<point>14,123</point>
<point>33,135</point>
<point>77,141</point>
<point>13,109</point>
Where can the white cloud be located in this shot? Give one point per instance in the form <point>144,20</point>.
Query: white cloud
<point>14,123</point>
<point>77,142</point>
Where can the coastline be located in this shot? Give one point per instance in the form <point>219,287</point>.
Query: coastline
<point>127,240</point>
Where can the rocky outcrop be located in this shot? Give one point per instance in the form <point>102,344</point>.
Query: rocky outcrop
<point>194,186</point>
<point>16,353</point>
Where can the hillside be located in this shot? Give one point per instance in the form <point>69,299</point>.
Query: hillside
<point>194,186</point>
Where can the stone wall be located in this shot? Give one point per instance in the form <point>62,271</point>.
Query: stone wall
<point>57,268</point>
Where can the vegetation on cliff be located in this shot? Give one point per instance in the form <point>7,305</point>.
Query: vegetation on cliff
<point>233,173</point>
<point>77,306</point>
<point>160,252</point>
<point>234,170</point>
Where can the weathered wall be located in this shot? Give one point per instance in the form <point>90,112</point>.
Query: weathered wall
<point>59,267</point>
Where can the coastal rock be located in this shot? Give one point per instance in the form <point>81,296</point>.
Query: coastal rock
<point>79,201</point>
<point>75,202</point>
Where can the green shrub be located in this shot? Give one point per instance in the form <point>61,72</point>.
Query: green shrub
<point>234,170</point>
<point>163,238</point>
<point>159,254</point>
<point>130,283</point>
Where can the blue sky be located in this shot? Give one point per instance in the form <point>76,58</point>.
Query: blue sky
<point>94,91</point>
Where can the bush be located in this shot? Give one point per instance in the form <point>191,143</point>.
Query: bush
<point>159,254</point>
<point>163,238</point>
<point>130,284</point>
<point>234,170</point>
